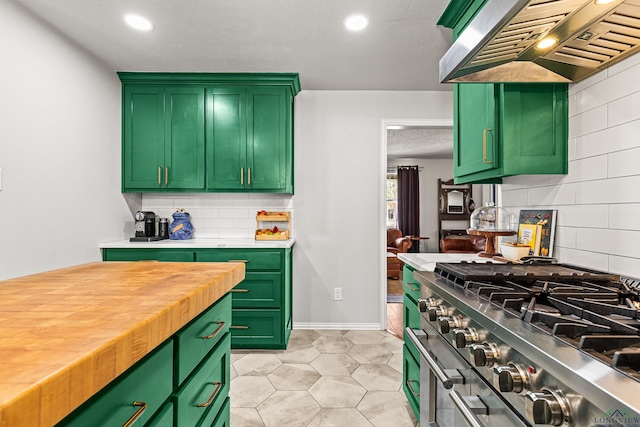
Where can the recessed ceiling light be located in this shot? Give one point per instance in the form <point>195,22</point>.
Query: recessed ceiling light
<point>546,42</point>
<point>138,22</point>
<point>356,22</point>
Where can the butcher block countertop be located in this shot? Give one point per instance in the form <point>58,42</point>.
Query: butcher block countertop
<point>65,334</point>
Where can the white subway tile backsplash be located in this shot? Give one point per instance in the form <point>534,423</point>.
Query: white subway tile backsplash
<point>233,213</point>
<point>607,241</point>
<point>624,216</point>
<point>552,195</point>
<point>625,109</point>
<point>588,122</point>
<point>525,181</point>
<point>565,237</point>
<point>588,216</point>
<point>612,190</point>
<point>631,63</point>
<point>623,163</point>
<point>585,84</point>
<point>609,140</point>
<point>587,169</point>
<point>592,260</point>
<point>625,266</point>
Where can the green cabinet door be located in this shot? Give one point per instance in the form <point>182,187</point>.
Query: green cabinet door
<point>226,139</point>
<point>163,138</point>
<point>269,147</point>
<point>143,136</point>
<point>476,129</point>
<point>184,138</point>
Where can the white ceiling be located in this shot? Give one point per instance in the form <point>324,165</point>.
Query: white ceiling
<point>399,50</point>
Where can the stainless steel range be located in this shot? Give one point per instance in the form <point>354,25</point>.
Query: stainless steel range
<point>522,345</point>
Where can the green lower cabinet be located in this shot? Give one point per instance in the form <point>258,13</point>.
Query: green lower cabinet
<point>136,394</point>
<point>223,419</point>
<point>411,380</point>
<point>411,319</point>
<point>257,329</point>
<point>166,255</point>
<point>164,417</point>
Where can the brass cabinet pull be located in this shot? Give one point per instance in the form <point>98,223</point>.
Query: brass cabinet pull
<point>159,175</point>
<point>484,146</point>
<point>411,387</point>
<point>239,327</point>
<point>216,332</point>
<point>239,291</point>
<point>166,175</point>
<point>412,288</point>
<point>241,176</point>
<point>213,395</point>
<point>239,260</point>
<point>249,175</point>
<point>138,414</point>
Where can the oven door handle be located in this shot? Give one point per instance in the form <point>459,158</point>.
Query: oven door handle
<point>467,412</point>
<point>446,381</point>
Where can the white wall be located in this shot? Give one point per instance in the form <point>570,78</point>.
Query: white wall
<point>59,149</point>
<point>598,202</point>
<point>338,201</point>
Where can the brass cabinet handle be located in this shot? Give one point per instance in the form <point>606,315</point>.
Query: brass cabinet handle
<point>159,175</point>
<point>216,332</point>
<point>411,387</point>
<point>412,288</point>
<point>484,146</point>
<point>166,175</point>
<point>239,291</point>
<point>213,395</point>
<point>249,174</point>
<point>239,327</point>
<point>241,176</point>
<point>138,414</point>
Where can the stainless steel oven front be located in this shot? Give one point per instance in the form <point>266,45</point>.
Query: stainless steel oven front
<point>452,394</point>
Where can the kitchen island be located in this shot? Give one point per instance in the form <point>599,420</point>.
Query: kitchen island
<point>66,334</point>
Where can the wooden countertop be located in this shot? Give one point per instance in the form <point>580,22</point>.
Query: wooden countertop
<point>65,334</point>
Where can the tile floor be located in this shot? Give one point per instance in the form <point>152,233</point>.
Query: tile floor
<point>324,378</point>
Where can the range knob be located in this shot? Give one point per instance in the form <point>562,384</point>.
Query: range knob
<point>485,354</point>
<point>510,378</point>
<point>425,303</point>
<point>448,323</point>
<point>464,337</point>
<point>547,407</point>
<point>436,311</point>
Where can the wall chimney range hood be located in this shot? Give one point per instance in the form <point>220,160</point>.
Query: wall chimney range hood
<point>500,43</point>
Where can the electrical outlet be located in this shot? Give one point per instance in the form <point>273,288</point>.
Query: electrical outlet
<point>337,294</point>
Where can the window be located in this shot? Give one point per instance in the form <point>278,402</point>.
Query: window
<point>392,200</point>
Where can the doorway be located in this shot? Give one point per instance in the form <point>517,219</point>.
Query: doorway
<point>437,148</point>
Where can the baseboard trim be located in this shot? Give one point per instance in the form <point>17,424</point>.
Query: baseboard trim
<point>339,326</point>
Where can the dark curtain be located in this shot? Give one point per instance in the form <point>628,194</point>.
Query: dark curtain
<point>409,200</point>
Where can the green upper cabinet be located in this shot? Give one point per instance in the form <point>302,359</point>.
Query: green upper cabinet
<point>509,129</point>
<point>249,139</point>
<point>163,138</point>
<point>504,129</point>
<point>208,132</point>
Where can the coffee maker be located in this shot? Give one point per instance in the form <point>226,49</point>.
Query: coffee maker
<point>145,227</point>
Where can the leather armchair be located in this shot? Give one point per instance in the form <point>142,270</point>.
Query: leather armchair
<point>396,243</point>
<point>466,244</point>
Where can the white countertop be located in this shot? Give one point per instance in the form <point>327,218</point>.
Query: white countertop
<point>201,244</point>
<point>427,261</point>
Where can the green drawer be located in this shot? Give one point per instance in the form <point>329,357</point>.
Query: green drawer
<point>221,419</point>
<point>258,259</point>
<point>257,329</point>
<point>206,389</point>
<point>408,344</point>
<point>258,290</point>
<point>411,315</point>
<point>411,380</point>
<point>163,418</point>
<point>167,255</point>
<point>195,340</point>
<point>410,285</point>
<point>149,381</point>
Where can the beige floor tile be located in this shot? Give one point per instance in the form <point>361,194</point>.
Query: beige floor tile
<point>335,365</point>
<point>378,377</point>
<point>288,409</point>
<point>331,332</point>
<point>302,336</point>
<point>257,364</point>
<point>245,417</point>
<point>333,344</point>
<point>340,417</point>
<point>249,392</point>
<point>397,362</point>
<point>369,354</point>
<point>364,337</point>
<point>302,354</point>
<point>337,392</point>
<point>391,343</point>
<point>386,408</point>
<point>293,377</point>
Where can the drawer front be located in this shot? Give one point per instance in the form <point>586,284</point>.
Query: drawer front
<point>149,382</point>
<point>195,340</point>
<point>410,285</point>
<point>167,255</point>
<point>408,345</point>
<point>207,388</point>
<point>258,290</point>
<point>411,381</point>
<point>257,329</point>
<point>164,417</point>
<point>411,315</point>
<point>260,259</point>
<point>221,419</point>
